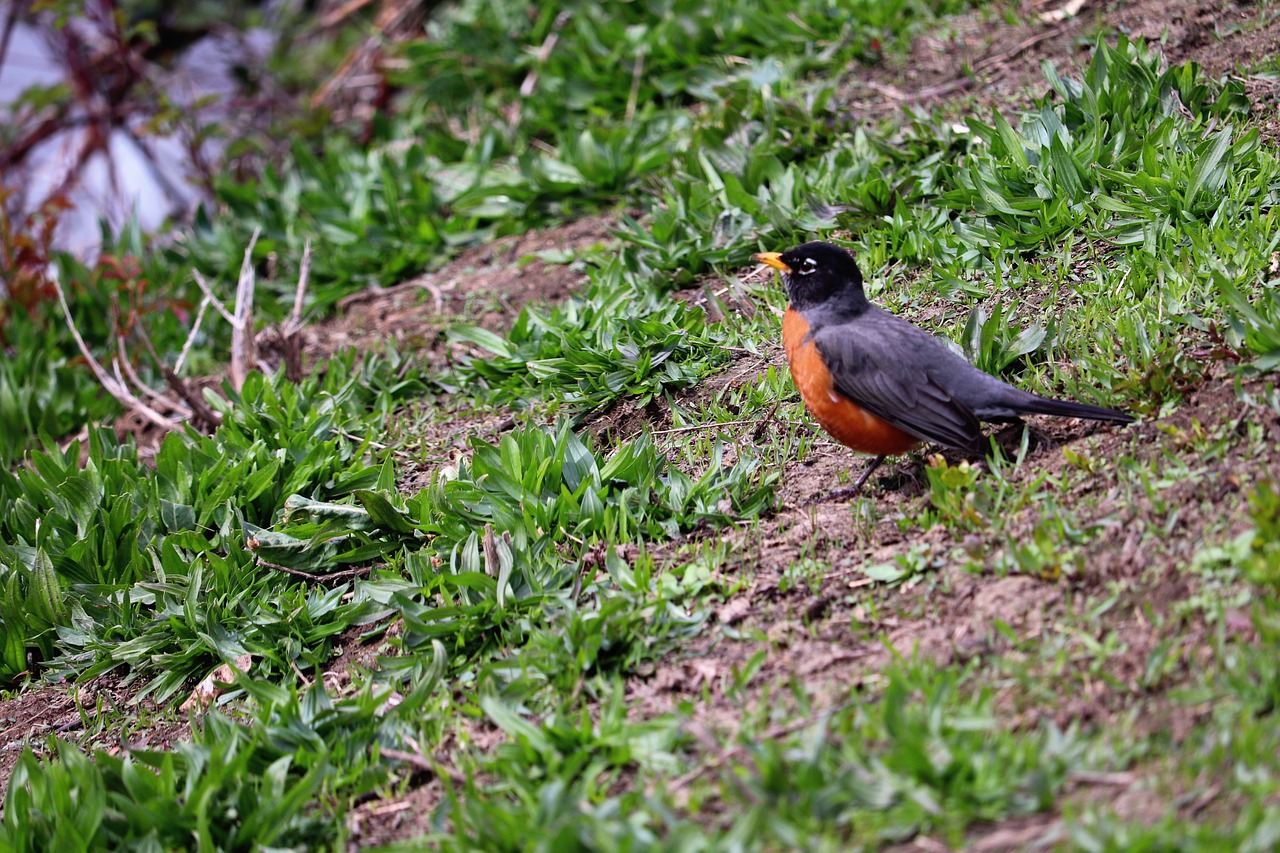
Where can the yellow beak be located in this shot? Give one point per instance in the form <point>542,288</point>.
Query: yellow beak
<point>773,259</point>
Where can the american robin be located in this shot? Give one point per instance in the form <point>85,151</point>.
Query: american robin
<point>879,384</point>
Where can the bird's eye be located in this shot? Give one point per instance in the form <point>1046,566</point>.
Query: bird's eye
<point>807,266</point>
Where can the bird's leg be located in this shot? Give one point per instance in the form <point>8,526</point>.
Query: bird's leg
<point>866,474</point>
<point>850,491</point>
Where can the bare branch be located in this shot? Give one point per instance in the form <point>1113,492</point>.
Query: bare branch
<point>530,84</point>
<point>346,10</point>
<point>15,8</point>
<point>392,24</point>
<point>290,329</point>
<point>122,361</point>
<point>332,577</point>
<point>217,303</point>
<point>116,388</point>
<point>190,396</point>
<point>295,317</point>
<point>242,344</point>
<point>191,336</point>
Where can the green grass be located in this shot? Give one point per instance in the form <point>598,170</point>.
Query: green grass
<point>456,164</point>
<point>1108,243</point>
<point>151,564</point>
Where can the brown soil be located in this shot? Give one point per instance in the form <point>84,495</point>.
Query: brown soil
<point>1002,62</point>
<point>71,712</point>
<point>821,626</point>
<point>381,822</point>
<point>30,717</point>
<point>488,283</point>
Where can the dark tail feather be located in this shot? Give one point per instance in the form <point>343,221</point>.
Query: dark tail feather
<point>1033,404</point>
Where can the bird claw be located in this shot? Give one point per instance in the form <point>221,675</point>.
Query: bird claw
<point>849,491</point>
<point>836,494</point>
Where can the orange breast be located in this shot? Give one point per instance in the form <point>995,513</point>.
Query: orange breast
<point>846,421</point>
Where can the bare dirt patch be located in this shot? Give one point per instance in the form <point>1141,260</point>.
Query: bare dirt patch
<point>626,419</point>
<point>70,712</point>
<point>487,285</point>
<point>384,821</point>
<point>354,652</point>
<point>441,435</point>
<point>984,56</point>
<point>31,716</point>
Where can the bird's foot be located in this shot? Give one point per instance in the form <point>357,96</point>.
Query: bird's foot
<point>848,491</point>
<point>840,494</point>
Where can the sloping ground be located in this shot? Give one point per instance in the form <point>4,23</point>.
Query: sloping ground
<point>803,606</point>
<point>831,627</point>
<point>1076,594</point>
<point>999,58</point>
<point>488,284</point>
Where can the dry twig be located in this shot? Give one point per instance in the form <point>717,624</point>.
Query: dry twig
<point>122,363</point>
<point>186,402</point>
<point>242,343</point>
<point>204,416</point>
<point>191,336</point>
<point>530,83</point>
<point>332,577</point>
<point>215,301</point>
<point>113,385</point>
<point>291,328</point>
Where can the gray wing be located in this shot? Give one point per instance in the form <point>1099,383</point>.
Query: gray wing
<point>902,374</point>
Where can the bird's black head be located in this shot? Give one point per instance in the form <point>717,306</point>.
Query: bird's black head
<point>818,273</point>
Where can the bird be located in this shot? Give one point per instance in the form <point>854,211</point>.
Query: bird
<point>879,384</point>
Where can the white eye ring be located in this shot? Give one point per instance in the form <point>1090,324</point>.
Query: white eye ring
<point>807,266</point>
